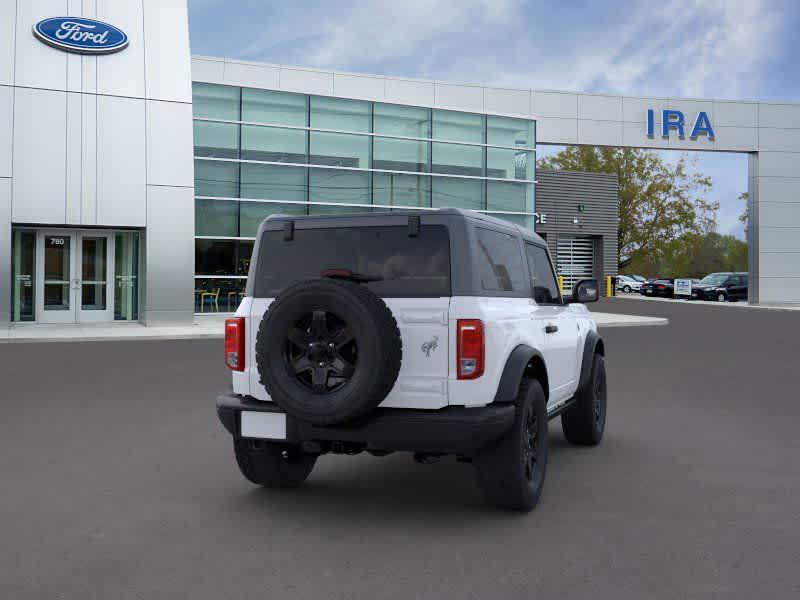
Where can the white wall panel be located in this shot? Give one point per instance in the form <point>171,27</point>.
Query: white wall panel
<point>779,290</point>
<point>121,169</point>
<point>169,254</point>
<point>779,264</point>
<point>634,109</point>
<point>599,108</point>
<point>306,81</point>
<point>735,114</point>
<point>507,102</point>
<point>408,91</point>
<point>250,75</point>
<point>601,133</point>
<point>555,104</point>
<point>36,64</point>
<point>169,144</point>
<point>738,139</point>
<point>556,131</point>
<point>779,190</point>
<point>779,164</point>
<point>8,23</point>
<point>358,86</point>
<point>6,127</point>
<point>39,156</point>
<point>781,140</point>
<point>74,159</point>
<point>779,115</point>
<point>208,70</point>
<point>89,159</point>
<point>464,97</point>
<point>166,36</point>
<point>5,250</point>
<point>779,239</point>
<point>122,73</point>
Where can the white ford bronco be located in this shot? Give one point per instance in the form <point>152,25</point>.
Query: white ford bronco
<point>435,332</point>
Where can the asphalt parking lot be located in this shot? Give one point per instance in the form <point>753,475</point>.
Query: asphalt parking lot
<point>118,482</point>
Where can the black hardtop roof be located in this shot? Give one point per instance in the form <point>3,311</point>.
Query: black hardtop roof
<point>354,219</point>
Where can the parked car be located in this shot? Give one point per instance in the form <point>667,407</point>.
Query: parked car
<point>627,284</point>
<point>638,278</point>
<point>356,335</point>
<point>722,287</point>
<point>663,288</point>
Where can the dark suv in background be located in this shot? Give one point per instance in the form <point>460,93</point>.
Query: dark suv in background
<point>721,287</point>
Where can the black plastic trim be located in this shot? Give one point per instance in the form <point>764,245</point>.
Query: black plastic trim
<point>450,430</point>
<point>513,371</point>
<point>589,349</point>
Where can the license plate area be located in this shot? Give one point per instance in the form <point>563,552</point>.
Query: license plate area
<point>263,425</point>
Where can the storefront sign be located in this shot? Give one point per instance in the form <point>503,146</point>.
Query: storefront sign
<point>683,287</point>
<point>675,120</point>
<point>84,36</point>
<point>540,218</point>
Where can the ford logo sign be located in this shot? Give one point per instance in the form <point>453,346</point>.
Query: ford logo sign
<point>84,36</point>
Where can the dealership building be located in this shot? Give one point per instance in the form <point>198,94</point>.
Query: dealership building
<point>133,176</point>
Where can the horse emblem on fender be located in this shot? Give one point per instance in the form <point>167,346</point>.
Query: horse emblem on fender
<point>430,346</point>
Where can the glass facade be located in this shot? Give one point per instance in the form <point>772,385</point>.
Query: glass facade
<point>261,152</point>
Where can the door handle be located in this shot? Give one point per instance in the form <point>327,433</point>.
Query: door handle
<point>550,328</point>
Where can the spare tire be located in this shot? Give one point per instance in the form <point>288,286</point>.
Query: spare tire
<point>328,351</point>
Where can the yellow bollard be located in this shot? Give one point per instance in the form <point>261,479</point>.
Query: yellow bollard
<point>560,284</point>
<point>608,286</point>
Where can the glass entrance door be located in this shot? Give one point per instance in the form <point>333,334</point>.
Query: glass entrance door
<point>74,272</point>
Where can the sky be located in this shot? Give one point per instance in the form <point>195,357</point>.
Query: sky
<point>732,49</point>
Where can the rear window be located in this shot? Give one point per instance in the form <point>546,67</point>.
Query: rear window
<point>500,263</point>
<point>404,266</point>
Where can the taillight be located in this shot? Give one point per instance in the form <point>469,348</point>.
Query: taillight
<point>661,287</point>
<point>234,343</point>
<point>470,348</point>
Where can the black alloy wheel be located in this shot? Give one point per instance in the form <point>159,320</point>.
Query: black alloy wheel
<point>530,445</point>
<point>321,351</point>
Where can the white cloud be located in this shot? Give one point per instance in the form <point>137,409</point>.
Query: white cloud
<point>687,47</point>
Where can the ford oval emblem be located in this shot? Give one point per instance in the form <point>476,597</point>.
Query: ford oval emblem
<point>84,36</point>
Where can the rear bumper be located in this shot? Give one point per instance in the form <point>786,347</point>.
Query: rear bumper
<point>451,430</point>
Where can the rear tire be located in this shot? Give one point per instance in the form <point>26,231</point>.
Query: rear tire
<point>511,472</point>
<point>584,422</point>
<point>271,464</point>
<point>722,297</point>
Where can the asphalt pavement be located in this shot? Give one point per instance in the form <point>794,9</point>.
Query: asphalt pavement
<point>118,482</point>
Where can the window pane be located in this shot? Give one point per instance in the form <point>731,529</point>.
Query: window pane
<point>273,144</point>
<point>506,131</point>
<point>244,250</point>
<point>273,182</point>
<point>509,164</point>
<point>214,257</point>
<point>23,260</point>
<point>457,126</point>
<point>457,193</point>
<point>212,178</point>
<point>334,185</point>
<point>400,155</point>
<point>323,209</point>
<point>401,190</point>
<point>515,197</point>
<point>336,113</point>
<point>220,140</point>
<point>457,159</point>
<point>407,266</point>
<point>281,108</point>
<point>521,220</point>
<point>407,121</point>
<point>218,295</point>
<point>126,276</point>
<point>339,150</point>
<point>215,101</point>
<point>216,217</point>
<point>251,214</point>
<point>500,263</point>
<point>545,288</point>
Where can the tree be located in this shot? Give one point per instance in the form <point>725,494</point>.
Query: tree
<point>659,202</point>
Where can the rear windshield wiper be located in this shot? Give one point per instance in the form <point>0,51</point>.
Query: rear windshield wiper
<point>350,275</point>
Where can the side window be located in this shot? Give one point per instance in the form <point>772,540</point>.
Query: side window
<point>500,263</point>
<point>545,288</point>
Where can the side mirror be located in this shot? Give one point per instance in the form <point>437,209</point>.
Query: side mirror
<point>585,290</point>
